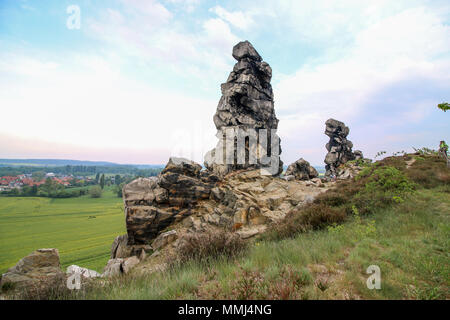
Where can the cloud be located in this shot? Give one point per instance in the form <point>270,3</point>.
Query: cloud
<point>237,19</point>
<point>152,9</point>
<point>200,56</point>
<point>151,79</point>
<point>219,35</point>
<point>408,52</point>
<point>92,105</point>
<point>188,5</point>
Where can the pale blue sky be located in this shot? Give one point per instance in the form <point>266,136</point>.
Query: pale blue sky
<point>140,80</point>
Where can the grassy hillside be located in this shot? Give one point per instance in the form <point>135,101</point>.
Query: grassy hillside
<point>81,228</point>
<point>396,216</point>
<point>410,244</point>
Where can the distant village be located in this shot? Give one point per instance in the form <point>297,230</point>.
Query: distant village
<point>7,183</point>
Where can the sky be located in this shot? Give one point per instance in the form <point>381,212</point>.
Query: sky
<point>139,81</point>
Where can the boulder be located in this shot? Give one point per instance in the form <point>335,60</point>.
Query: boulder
<point>152,204</point>
<point>121,249</point>
<point>37,270</point>
<point>302,170</point>
<point>164,239</point>
<point>113,268</point>
<point>116,267</point>
<point>129,263</point>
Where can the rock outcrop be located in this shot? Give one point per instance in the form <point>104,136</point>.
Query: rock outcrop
<point>194,200</point>
<point>152,204</point>
<point>301,170</point>
<point>35,271</point>
<point>246,107</point>
<point>119,266</point>
<point>339,148</point>
<point>246,202</point>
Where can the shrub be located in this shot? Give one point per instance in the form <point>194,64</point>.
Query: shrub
<point>311,217</point>
<point>429,172</point>
<point>287,283</point>
<point>339,196</point>
<point>95,192</point>
<point>383,186</point>
<point>47,290</point>
<point>209,245</point>
<point>388,179</point>
<point>8,286</point>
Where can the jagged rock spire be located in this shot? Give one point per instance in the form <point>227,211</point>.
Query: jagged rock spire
<point>339,148</point>
<point>247,97</point>
<point>246,104</point>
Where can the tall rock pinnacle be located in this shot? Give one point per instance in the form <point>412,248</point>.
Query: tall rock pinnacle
<point>339,148</point>
<point>247,97</point>
<point>246,107</point>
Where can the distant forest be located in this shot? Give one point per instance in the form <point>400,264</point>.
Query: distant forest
<point>80,170</point>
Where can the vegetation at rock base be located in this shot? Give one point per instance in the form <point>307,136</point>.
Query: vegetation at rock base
<point>408,239</point>
<point>206,246</point>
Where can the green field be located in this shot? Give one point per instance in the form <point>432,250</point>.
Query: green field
<point>83,228</point>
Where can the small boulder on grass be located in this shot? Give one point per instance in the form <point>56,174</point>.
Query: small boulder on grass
<point>36,271</point>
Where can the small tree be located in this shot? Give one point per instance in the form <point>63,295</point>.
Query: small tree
<point>102,181</point>
<point>444,106</point>
<point>118,189</point>
<point>95,192</point>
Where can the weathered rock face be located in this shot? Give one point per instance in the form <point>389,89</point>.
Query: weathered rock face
<point>246,104</point>
<point>301,170</point>
<point>38,269</point>
<point>118,266</point>
<point>247,202</point>
<point>339,148</point>
<point>152,204</point>
<point>121,249</point>
<point>247,97</point>
<point>164,239</point>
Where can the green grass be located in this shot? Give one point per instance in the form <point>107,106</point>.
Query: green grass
<point>83,228</point>
<point>410,242</point>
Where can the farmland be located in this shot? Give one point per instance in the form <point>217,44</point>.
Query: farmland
<point>81,228</point>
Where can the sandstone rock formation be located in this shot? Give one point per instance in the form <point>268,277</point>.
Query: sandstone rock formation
<point>152,204</point>
<point>186,199</point>
<point>301,170</point>
<point>246,106</point>
<point>119,266</point>
<point>339,148</point>
<point>39,269</point>
<point>247,202</point>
